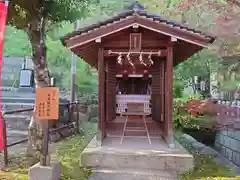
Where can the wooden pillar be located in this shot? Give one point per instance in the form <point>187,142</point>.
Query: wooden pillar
<point>101,96</point>
<point>168,124</point>
<point>158,89</point>
<point>162,78</point>
<point>110,88</point>
<point>156,96</point>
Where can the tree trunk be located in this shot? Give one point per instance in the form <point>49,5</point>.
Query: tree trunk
<point>36,36</point>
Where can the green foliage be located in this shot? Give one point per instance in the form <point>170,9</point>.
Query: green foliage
<point>199,64</point>
<point>180,117</point>
<point>93,112</point>
<point>178,88</point>
<point>18,167</point>
<point>89,98</point>
<point>68,152</point>
<point>229,85</point>
<point>58,57</point>
<point>196,96</point>
<point>59,61</point>
<point>23,13</point>
<point>61,14</point>
<point>16,43</point>
<point>15,176</point>
<point>70,10</point>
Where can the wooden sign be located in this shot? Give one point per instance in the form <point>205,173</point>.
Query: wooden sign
<point>135,41</point>
<point>47,103</point>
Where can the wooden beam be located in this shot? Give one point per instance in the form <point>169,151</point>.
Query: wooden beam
<point>162,54</point>
<point>168,124</point>
<point>101,95</point>
<point>147,44</point>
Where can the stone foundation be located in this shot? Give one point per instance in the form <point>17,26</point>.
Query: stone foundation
<point>120,158</point>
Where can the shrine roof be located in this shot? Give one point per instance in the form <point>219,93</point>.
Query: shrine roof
<point>137,9</point>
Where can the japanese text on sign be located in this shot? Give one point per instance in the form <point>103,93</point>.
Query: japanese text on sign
<point>47,103</point>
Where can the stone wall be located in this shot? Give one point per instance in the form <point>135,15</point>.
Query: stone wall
<point>228,144</point>
<point>227,140</point>
<point>11,67</point>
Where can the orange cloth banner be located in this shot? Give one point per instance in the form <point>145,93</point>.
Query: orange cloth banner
<point>3,17</point>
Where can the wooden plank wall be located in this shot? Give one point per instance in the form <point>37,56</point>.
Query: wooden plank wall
<point>111,88</point>
<point>157,89</point>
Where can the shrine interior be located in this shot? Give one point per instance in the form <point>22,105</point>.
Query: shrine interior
<point>134,99</point>
<point>137,76</point>
<point>134,85</point>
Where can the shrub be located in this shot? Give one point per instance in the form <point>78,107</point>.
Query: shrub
<point>193,113</point>
<point>179,115</point>
<point>92,112</point>
<point>200,107</point>
<point>89,99</point>
<point>178,88</point>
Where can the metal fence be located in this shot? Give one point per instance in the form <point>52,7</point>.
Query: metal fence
<point>72,122</point>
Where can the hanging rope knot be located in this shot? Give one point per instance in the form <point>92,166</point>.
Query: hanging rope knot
<point>119,59</point>
<point>141,59</point>
<point>129,59</point>
<point>109,52</point>
<point>150,58</point>
<point>128,56</point>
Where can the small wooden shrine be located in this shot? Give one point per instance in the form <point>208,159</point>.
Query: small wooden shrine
<point>134,53</point>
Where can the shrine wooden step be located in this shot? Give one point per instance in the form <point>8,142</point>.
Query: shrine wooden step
<point>117,130</point>
<point>155,127</point>
<point>131,118</point>
<point>118,133</point>
<point>134,128</point>
<point>135,133</point>
<point>135,124</point>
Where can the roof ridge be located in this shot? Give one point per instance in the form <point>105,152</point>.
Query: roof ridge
<point>135,6</point>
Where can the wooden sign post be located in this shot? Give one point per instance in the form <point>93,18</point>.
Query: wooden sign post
<point>46,108</point>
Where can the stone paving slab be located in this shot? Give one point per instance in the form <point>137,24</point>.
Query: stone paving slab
<point>131,174</point>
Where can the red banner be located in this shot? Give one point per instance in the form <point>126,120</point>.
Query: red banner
<point>3,17</point>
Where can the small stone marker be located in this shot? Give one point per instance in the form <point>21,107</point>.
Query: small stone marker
<point>52,172</point>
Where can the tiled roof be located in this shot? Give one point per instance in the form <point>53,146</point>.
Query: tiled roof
<point>139,10</point>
